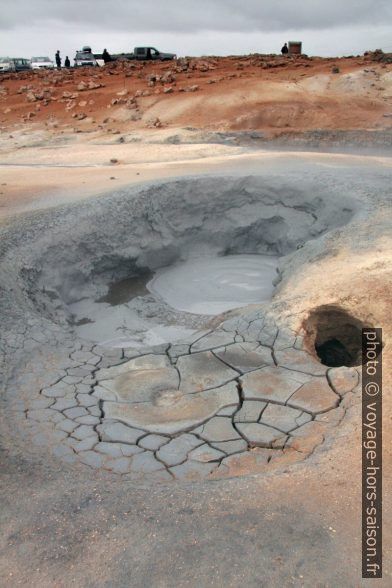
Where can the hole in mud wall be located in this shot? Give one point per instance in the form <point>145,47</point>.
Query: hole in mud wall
<point>335,337</point>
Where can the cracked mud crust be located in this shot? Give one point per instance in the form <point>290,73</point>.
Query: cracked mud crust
<point>244,397</point>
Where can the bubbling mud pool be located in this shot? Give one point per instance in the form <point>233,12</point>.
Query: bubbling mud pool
<point>212,286</point>
<point>205,286</point>
<point>151,265</point>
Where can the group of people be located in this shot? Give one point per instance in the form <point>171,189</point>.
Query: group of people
<point>105,56</point>
<point>67,62</point>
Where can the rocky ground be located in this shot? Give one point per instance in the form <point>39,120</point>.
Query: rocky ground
<point>270,93</point>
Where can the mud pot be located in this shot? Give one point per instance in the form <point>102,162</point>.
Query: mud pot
<point>194,328</point>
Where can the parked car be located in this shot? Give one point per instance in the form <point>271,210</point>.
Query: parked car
<point>14,64</point>
<point>85,58</point>
<point>41,63</point>
<point>146,53</point>
<point>21,64</point>
<point>6,64</point>
<point>152,53</point>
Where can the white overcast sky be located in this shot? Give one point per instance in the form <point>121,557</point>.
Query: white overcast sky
<point>194,27</point>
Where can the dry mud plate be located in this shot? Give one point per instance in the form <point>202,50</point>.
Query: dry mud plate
<point>261,387</point>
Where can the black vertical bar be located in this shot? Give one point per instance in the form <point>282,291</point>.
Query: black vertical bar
<point>371,453</point>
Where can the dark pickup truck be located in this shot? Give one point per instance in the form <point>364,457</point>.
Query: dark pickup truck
<point>146,53</point>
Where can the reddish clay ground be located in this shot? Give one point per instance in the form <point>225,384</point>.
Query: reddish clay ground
<point>269,93</point>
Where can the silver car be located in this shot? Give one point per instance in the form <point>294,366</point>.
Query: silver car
<point>41,63</point>
<point>85,58</point>
<point>12,64</point>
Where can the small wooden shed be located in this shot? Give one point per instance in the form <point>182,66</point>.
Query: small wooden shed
<point>295,47</point>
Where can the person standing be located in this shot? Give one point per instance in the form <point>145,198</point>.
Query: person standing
<point>106,56</point>
<point>285,49</point>
<point>58,59</point>
<point>67,62</point>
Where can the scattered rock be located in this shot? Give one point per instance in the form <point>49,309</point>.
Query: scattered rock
<point>154,123</point>
<point>193,88</point>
